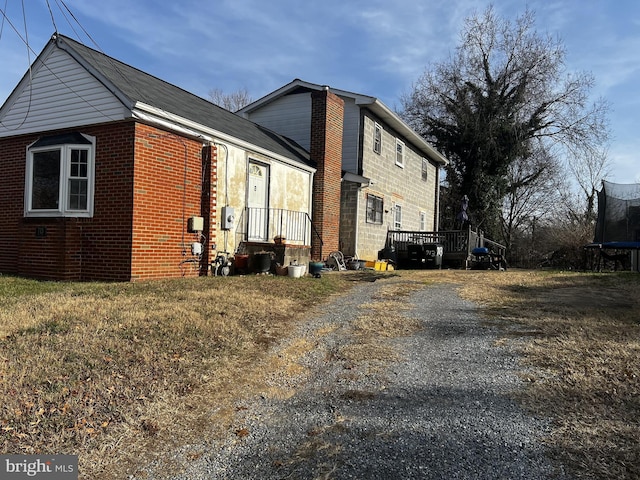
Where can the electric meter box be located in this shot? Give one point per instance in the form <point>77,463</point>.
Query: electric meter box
<point>196,248</point>
<point>195,224</point>
<point>228,216</point>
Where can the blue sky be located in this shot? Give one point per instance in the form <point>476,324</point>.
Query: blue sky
<point>372,47</point>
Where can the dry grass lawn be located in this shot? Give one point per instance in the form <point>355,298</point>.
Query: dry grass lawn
<point>122,373</point>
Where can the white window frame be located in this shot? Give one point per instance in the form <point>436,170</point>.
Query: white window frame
<point>400,152</point>
<point>423,221</point>
<point>63,208</point>
<point>425,169</point>
<point>397,217</point>
<point>377,138</point>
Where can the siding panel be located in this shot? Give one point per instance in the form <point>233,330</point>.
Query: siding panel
<point>289,116</point>
<point>51,102</point>
<point>351,138</point>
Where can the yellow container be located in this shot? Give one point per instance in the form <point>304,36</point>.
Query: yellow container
<point>369,264</point>
<point>381,265</point>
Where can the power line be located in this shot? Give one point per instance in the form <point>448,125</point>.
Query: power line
<point>2,24</point>
<point>53,20</point>
<point>24,39</point>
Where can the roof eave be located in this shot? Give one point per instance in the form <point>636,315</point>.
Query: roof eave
<point>184,126</point>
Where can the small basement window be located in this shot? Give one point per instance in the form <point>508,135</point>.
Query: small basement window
<point>60,176</point>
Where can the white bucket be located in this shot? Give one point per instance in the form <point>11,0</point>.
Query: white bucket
<point>296,271</point>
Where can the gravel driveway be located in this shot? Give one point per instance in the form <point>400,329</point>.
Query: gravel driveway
<point>439,410</point>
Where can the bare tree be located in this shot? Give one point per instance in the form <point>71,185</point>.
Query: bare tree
<point>532,193</point>
<point>503,92</point>
<point>233,101</point>
<point>589,166</point>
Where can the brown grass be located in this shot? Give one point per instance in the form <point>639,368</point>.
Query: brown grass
<point>122,373</point>
<point>119,373</point>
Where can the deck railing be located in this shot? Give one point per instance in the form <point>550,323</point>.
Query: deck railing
<point>457,244</point>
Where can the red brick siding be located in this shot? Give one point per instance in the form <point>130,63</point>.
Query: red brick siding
<point>71,249</point>
<point>106,244</point>
<point>165,196</point>
<point>136,230</point>
<point>327,123</point>
<point>12,166</point>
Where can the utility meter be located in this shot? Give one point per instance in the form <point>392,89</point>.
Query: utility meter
<point>196,248</point>
<point>228,217</point>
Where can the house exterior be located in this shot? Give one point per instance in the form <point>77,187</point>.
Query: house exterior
<point>109,173</point>
<point>389,175</point>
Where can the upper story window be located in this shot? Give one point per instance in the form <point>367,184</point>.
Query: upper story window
<point>59,176</point>
<point>425,169</point>
<point>374,209</point>
<point>377,139</point>
<point>399,153</point>
<point>423,221</point>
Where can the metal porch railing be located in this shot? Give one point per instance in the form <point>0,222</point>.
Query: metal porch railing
<point>265,224</point>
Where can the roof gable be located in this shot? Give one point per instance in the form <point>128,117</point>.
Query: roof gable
<point>141,87</point>
<point>129,88</point>
<point>58,92</point>
<point>362,101</point>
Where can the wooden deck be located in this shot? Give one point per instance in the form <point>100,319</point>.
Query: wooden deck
<point>457,245</point>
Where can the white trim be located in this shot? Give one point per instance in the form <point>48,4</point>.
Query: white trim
<point>377,128</point>
<point>63,186</point>
<point>397,208</point>
<point>400,143</point>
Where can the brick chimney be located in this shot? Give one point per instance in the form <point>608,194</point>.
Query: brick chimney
<point>327,123</point>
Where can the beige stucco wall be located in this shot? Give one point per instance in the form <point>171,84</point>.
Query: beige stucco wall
<point>289,189</point>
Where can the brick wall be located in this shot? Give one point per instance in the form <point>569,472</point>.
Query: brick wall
<point>167,191</point>
<point>70,248</point>
<point>138,230</point>
<point>209,204</point>
<point>12,166</point>
<point>327,124</point>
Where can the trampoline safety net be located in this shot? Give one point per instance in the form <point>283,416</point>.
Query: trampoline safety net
<point>618,213</point>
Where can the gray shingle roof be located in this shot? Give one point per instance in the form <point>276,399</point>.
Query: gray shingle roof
<point>139,86</point>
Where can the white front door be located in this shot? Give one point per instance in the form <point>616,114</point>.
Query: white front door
<point>258,202</point>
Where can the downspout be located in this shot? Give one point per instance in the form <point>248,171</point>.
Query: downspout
<point>436,222</point>
<point>226,187</point>
<point>310,209</point>
<point>355,247</point>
